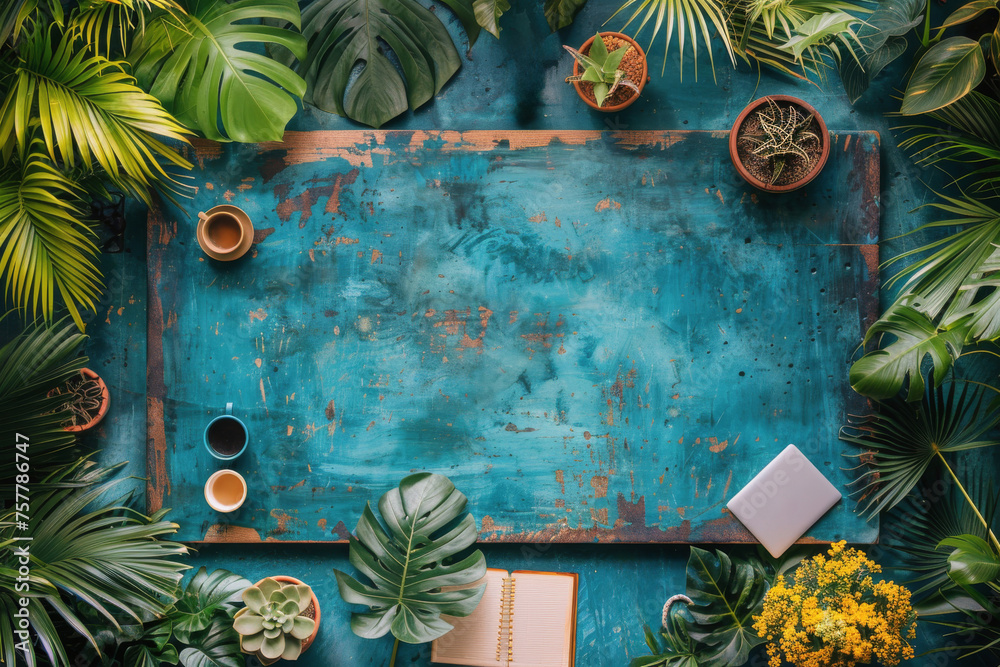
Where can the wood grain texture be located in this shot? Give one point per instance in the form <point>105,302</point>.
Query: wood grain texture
<point>597,336</point>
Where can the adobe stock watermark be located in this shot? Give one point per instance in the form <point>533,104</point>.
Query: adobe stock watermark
<point>21,543</point>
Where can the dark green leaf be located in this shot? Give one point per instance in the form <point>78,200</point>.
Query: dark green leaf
<point>193,63</point>
<point>206,595</point>
<point>488,13</point>
<point>858,73</point>
<point>560,13</point>
<point>146,656</point>
<point>218,646</point>
<point>411,559</point>
<point>968,11</point>
<point>949,70</point>
<point>914,337</point>
<point>725,595</point>
<point>345,34</point>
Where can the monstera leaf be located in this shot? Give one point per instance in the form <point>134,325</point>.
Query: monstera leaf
<point>217,646</point>
<point>882,373</point>
<point>191,62</point>
<point>344,34</point>
<point>410,559</point>
<point>725,595</point>
<point>206,594</point>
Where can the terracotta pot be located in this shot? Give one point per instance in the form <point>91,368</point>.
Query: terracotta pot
<point>308,642</point>
<point>756,182</point>
<point>641,83</point>
<point>105,403</point>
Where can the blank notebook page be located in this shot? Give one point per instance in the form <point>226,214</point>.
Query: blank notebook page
<point>544,611</point>
<point>474,639</point>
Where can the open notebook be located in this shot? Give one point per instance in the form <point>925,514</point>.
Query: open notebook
<point>525,619</point>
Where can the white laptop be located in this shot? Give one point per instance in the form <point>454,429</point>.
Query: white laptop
<point>781,503</point>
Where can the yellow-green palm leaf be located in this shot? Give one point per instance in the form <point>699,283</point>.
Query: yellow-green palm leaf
<point>46,252</point>
<point>106,24</point>
<point>90,113</point>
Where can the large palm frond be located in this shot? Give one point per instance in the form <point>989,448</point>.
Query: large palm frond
<point>103,553</point>
<point>689,18</point>
<point>106,24</point>
<point>934,513</point>
<point>47,251</point>
<point>974,140</point>
<point>38,359</point>
<point>901,439</point>
<point>90,112</point>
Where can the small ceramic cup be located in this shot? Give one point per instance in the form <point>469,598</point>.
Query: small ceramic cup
<point>225,491</point>
<point>225,232</point>
<point>226,436</point>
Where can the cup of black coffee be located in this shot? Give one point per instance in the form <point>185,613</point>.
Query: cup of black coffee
<point>226,436</point>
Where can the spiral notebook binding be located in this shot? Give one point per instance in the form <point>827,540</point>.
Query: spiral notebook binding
<point>506,619</point>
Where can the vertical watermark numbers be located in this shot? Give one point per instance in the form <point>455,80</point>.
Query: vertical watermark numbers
<point>21,541</point>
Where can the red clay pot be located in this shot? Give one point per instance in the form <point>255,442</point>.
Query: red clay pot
<point>641,83</point>
<point>756,182</point>
<point>105,403</point>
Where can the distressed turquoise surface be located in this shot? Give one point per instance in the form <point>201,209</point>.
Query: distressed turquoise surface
<point>597,336</point>
<point>516,83</point>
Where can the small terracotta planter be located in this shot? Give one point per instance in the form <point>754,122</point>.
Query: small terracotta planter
<point>316,617</point>
<point>105,402</point>
<point>581,87</point>
<point>817,166</point>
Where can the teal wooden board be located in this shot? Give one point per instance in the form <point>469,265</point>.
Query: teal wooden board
<point>597,336</point>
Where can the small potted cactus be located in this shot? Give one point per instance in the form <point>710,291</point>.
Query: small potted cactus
<point>609,71</point>
<point>87,400</point>
<point>779,143</point>
<point>280,620</point>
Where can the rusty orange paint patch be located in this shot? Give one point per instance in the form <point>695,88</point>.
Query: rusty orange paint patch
<point>607,203</point>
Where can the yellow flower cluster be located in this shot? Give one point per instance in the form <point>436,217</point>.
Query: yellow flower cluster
<point>833,614</point>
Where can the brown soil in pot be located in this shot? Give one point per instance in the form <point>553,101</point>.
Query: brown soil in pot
<point>632,66</point>
<point>796,168</point>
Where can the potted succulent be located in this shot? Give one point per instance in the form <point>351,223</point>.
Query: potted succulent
<point>87,400</point>
<point>779,143</point>
<point>280,620</point>
<point>609,71</point>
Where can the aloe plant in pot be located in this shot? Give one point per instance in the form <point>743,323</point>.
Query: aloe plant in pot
<point>280,620</point>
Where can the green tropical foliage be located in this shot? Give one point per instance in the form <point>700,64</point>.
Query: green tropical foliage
<point>947,302</point>
<point>89,112</point>
<point>933,513</point>
<point>108,25</point>
<point>672,646</point>
<point>195,631</point>
<point>410,559</point>
<point>971,137</point>
<point>689,17</point>
<point>902,439</point>
<point>345,35</point>
<point>882,39</point>
<point>791,36</point>
<point>102,553</point>
<point>197,62</point>
<point>33,362</point>
<point>725,595</point>
<point>560,13</point>
<point>948,71</point>
<point>49,256</point>
<point>716,628</point>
